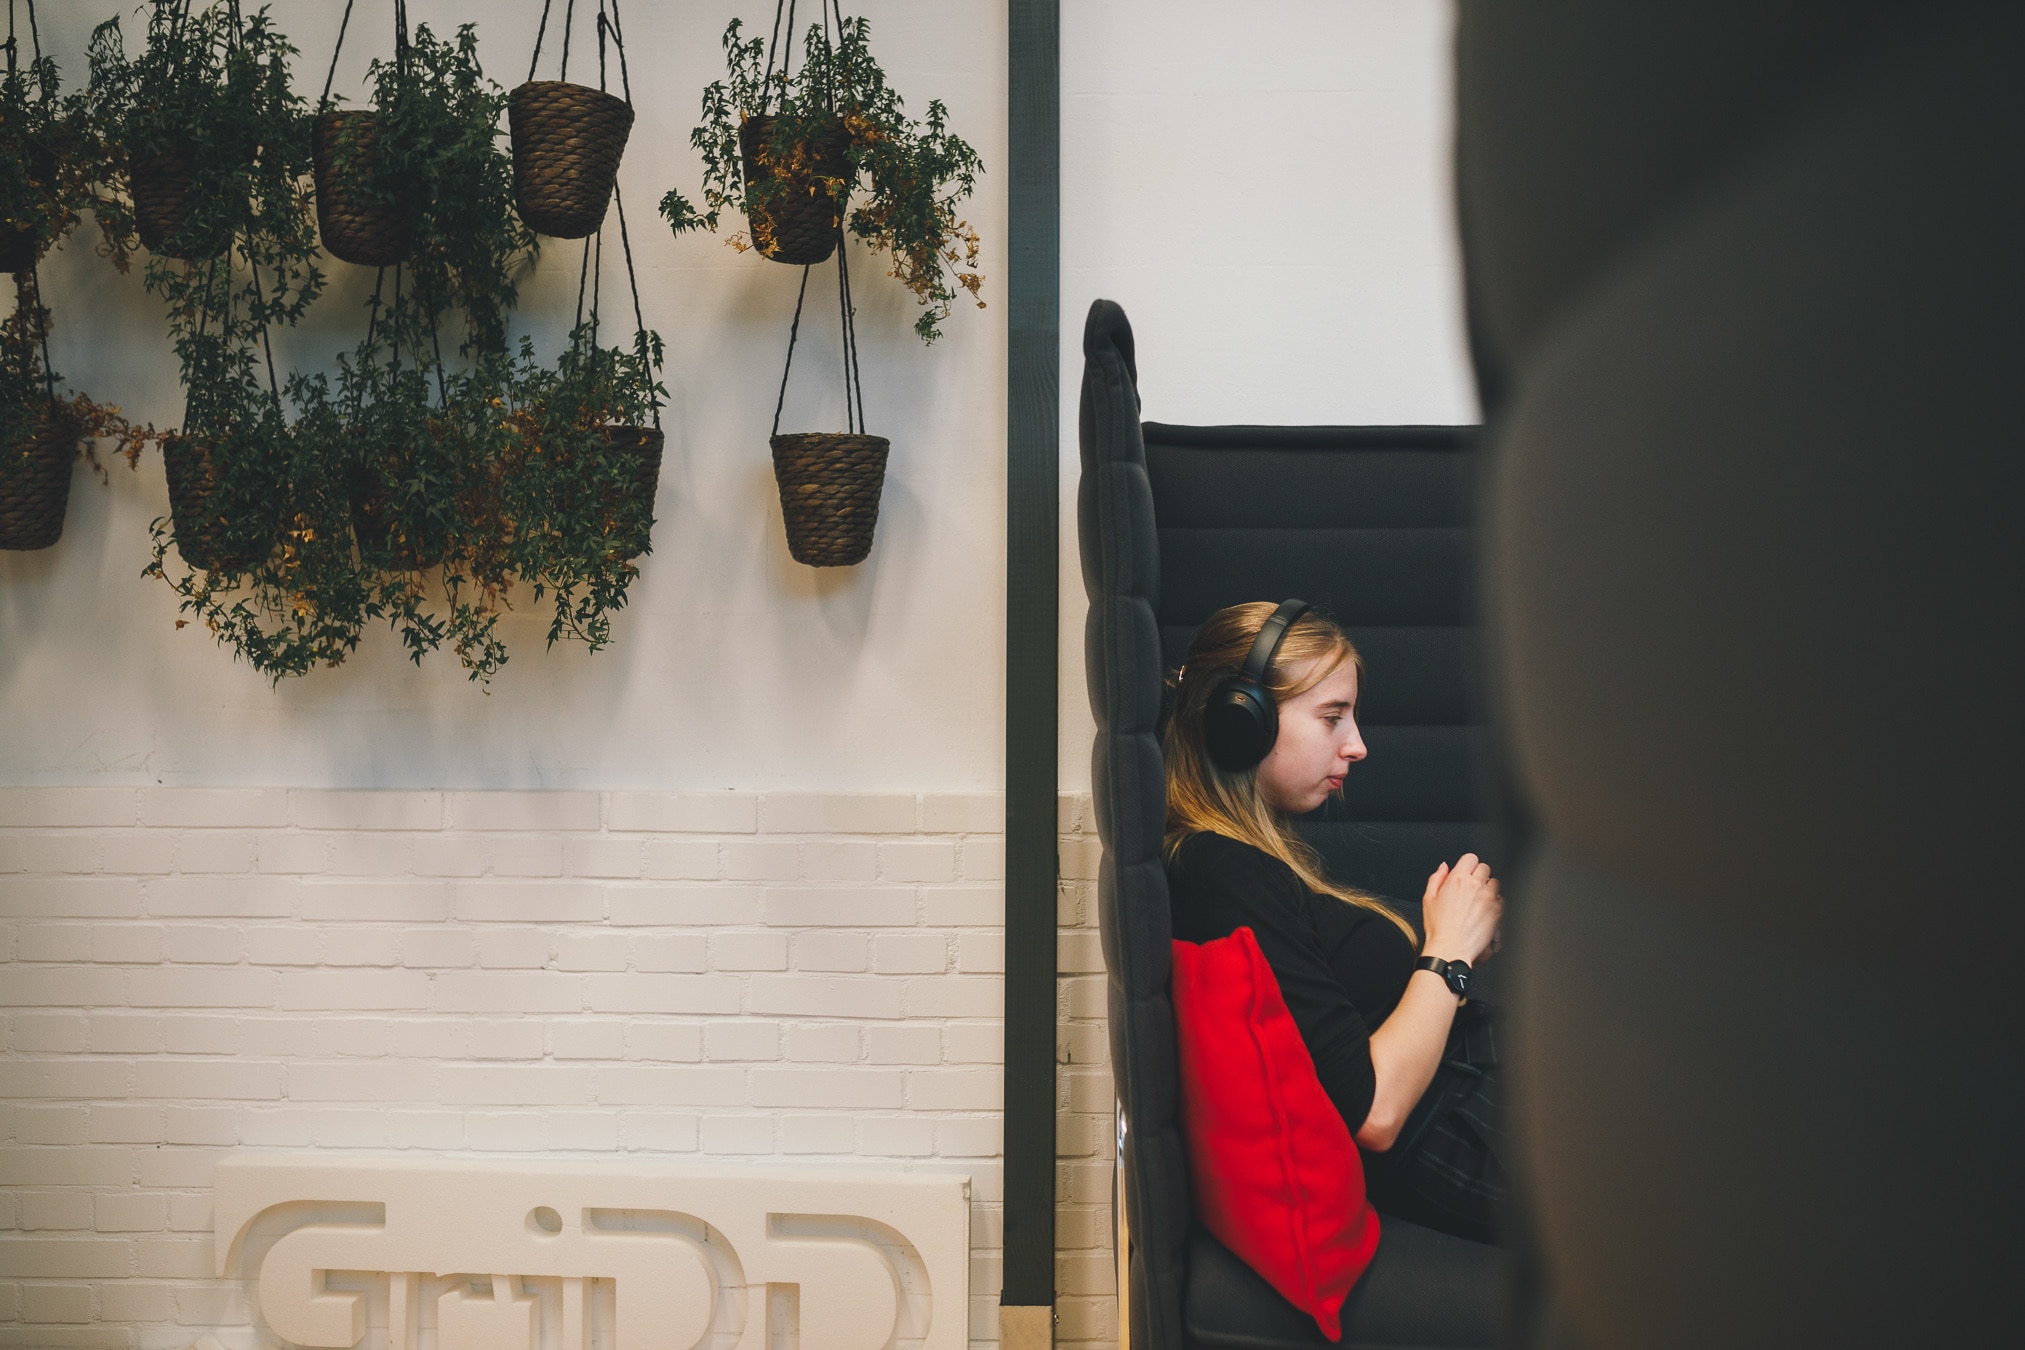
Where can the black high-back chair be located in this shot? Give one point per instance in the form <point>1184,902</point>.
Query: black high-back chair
<point>1373,525</point>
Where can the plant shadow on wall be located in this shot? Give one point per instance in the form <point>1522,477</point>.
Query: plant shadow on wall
<point>789,148</point>
<point>410,487</point>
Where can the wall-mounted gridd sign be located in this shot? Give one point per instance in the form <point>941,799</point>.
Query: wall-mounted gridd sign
<point>434,1254</point>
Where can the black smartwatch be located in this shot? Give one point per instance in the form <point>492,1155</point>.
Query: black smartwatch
<point>1455,974</point>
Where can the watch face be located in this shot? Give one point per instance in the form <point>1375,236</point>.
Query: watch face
<point>1458,978</point>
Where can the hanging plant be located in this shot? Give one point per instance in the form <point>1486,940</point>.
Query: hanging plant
<point>568,138</point>
<point>298,603</point>
<point>215,143</point>
<point>581,475</point>
<point>48,163</point>
<point>47,160</point>
<point>428,438</point>
<point>582,458</point>
<point>830,481</point>
<point>791,148</point>
<point>362,214</point>
<point>424,166</point>
<point>217,173</point>
<point>40,430</point>
<point>392,466</point>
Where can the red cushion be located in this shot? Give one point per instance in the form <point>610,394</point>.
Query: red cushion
<point>1276,1174</point>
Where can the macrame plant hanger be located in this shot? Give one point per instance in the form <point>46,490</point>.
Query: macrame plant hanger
<point>829,482</point>
<point>203,533</point>
<point>635,451</point>
<point>235,36</point>
<point>322,104</point>
<point>35,493</point>
<point>854,391</point>
<point>374,306</point>
<point>28,301</point>
<point>610,31</point>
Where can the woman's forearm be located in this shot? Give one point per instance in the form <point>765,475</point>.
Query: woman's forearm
<point>1405,1051</point>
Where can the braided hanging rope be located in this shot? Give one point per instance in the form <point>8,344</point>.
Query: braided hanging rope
<point>541,32</point>
<point>829,482</point>
<point>21,246</point>
<point>639,449</point>
<point>187,469</point>
<point>35,494</point>
<point>34,260</point>
<point>204,532</point>
<point>854,389</point>
<point>323,101</point>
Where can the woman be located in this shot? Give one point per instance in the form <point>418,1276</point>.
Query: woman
<point>1409,1063</point>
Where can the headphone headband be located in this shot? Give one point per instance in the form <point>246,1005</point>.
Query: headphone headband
<point>1267,644</point>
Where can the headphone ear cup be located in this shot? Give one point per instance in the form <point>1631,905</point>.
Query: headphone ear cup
<point>1240,725</point>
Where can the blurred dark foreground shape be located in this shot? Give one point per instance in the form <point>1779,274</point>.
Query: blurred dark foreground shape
<point>1747,289</point>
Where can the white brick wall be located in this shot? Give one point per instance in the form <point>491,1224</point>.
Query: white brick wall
<point>727,975</point>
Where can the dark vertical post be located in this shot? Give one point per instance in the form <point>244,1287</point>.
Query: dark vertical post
<point>1033,449</point>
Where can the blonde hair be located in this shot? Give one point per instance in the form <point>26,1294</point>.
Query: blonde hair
<point>1204,797</point>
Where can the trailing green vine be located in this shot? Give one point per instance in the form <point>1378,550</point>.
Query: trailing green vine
<point>427,438</point>
<point>217,153</point>
<point>913,174</point>
<point>50,160</point>
<point>578,492</point>
<point>438,469</point>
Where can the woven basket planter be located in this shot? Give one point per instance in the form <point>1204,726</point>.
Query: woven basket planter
<point>205,537</point>
<point>632,509</point>
<point>35,482</point>
<point>355,227</point>
<point>161,188</point>
<point>383,544</point>
<point>389,536</point>
<point>567,140</point>
<point>800,225</point>
<point>829,494</point>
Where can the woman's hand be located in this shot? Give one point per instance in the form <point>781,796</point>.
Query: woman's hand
<point>1461,910</point>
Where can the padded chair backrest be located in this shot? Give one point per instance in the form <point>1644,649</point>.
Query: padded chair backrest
<point>1370,523</point>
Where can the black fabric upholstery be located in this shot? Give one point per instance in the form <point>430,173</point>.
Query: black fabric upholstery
<point>1373,524</point>
<point>1121,574</point>
<point>1430,1290</point>
<point>1748,280</point>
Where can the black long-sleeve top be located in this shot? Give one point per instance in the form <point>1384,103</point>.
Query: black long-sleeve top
<point>1342,969</point>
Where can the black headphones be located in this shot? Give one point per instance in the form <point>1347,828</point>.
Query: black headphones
<point>1241,721</point>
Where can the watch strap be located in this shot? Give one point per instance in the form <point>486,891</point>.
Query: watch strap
<point>1455,974</point>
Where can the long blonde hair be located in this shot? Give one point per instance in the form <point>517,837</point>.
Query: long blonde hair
<point>1202,796</point>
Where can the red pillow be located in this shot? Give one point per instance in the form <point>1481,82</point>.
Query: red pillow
<point>1276,1174</point>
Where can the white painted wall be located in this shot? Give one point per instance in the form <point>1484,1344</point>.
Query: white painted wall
<point>1265,188</point>
<point>1267,193</point>
<point>733,665</point>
